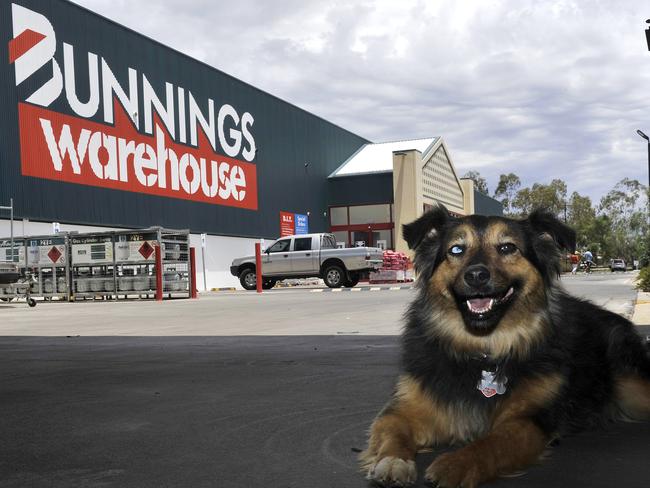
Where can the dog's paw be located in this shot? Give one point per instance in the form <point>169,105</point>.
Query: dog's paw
<point>457,469</point>
<point>393,472</point>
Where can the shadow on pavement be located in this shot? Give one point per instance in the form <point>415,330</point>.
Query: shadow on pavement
<point>230,412</point>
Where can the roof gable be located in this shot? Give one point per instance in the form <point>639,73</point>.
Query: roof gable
<point>378,158</point>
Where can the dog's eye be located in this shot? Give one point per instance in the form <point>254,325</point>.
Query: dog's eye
<point>507,248</point>
<point>457,250</point>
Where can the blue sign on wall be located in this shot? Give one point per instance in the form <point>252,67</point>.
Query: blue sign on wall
<point>302,224</point>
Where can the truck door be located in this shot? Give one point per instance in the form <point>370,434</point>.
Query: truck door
<point>275,259</point>
<point>304,257</point>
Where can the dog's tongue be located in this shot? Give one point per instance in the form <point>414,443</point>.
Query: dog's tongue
<point>478,303</point>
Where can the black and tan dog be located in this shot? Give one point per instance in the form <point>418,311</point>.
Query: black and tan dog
<point>497,358</point>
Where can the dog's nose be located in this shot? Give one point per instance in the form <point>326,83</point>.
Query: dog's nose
<point>477,275</point>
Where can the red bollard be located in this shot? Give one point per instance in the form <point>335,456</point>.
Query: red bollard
<point>159,275</point>
<point>193,290</point>
<point>258,266</point>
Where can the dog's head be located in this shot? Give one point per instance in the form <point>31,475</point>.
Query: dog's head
<point>486,278</point>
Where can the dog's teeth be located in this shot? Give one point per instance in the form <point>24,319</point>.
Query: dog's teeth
<point>480,305</point>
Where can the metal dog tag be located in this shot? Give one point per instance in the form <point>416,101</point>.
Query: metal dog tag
<point>489,386</point>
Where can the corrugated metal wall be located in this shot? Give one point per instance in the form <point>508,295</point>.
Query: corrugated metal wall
<point>286,137</point>
<point>485,205</point>
<point>361,189</point>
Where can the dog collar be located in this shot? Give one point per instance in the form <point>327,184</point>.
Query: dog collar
<point>486,362</point>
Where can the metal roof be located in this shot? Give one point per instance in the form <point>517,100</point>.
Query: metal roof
<point>378,158</point>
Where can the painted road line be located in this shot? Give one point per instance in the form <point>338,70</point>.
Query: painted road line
<point>338,290</point>
<point>375,289</point>
<point>356,289</point>
<point>393,288</point>
<point>317,290</point>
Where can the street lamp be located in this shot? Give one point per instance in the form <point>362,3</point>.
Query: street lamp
<point>648,141</point>
<point>647,34</point>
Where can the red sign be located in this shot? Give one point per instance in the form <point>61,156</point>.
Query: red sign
<point>287,224</point>
<point>54,254</point>
<point>65,148</point>
<point>146,250</point>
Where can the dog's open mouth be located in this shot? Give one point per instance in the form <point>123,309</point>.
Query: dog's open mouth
<point>483,312</point>
<point>480,306</point>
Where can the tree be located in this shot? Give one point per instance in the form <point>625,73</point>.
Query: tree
<point>506,191</point>
<point>580,215</point>
<point>551,197</point>
<point>480,183</point>
<point>626,208</point>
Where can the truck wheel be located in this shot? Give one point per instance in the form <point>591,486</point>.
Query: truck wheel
<point>248,279</point>
<point>268,283</point>
<point>333,276</point>
<point>352,281</point>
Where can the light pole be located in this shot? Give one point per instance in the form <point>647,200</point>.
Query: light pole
<point>640,132</point>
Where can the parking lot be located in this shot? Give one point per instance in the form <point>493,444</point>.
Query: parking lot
<point>234,390</point>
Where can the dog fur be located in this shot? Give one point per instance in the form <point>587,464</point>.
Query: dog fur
<point>489,302</point>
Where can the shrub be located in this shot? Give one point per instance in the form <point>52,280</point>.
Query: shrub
<point>643,280</point>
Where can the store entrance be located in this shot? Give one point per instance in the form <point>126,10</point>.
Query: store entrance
<point>371,238</point>
<point>361,238</point>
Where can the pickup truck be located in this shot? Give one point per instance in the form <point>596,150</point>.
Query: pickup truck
<point>307,256</point>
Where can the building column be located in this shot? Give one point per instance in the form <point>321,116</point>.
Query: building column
<point>467,185</point>
<point>407,192</point>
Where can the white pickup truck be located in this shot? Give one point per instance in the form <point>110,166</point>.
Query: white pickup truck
<point>306,256</point>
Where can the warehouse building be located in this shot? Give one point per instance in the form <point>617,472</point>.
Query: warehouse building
<point>104,128</point>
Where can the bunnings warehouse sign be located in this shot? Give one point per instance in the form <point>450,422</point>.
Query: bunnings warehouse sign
<point>79,124</point>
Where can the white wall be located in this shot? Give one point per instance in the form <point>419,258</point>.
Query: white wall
<point>219,251</point>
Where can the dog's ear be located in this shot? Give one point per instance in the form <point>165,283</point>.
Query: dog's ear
<point>546,225</point>
<point>429,223</point>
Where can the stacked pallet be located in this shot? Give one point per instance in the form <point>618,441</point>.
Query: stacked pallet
<point>396,268</point>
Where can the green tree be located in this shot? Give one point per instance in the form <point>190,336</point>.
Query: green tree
<point>480,183</point>
<point>598,236</point>
<point>506,192</point>
<point>626,207</point>
<point>580,215</point>
<point>551,197</point>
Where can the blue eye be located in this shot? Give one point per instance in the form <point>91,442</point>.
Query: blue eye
<point>457,250</point>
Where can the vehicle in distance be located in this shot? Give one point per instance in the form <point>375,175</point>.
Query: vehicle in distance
<point>308,256</point>
<point>617,265</point>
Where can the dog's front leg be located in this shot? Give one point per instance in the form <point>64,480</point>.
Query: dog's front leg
<point>513,442</point>
<point>510,447</point>
<point>411,420</point>
<point>390,457</point>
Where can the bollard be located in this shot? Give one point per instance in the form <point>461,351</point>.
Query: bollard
<point>159,275</point>
<point>193,290</point>
<point>258,266</point>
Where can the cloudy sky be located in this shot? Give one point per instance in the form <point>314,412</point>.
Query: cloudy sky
<point>552,89</point>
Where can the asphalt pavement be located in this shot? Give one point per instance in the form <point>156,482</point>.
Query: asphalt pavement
<point>215,410</point>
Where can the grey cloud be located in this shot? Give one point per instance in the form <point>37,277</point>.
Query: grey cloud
<point>545,89</point>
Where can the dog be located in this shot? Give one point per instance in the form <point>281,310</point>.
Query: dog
<point>497,358</point>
